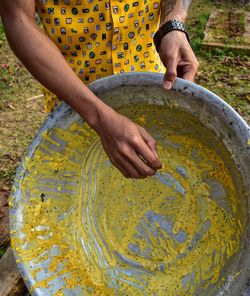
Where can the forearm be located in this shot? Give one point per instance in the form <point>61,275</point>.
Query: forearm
<point>46,63</point>
<point>174,9</point>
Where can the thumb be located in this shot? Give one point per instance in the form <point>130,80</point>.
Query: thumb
<point>171,72</point>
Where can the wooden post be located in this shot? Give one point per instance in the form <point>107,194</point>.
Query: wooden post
<point>11,282</point>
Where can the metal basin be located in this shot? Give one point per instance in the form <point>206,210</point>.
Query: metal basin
<point>79,228</point>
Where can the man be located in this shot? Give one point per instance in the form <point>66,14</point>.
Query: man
<point>88,39</point>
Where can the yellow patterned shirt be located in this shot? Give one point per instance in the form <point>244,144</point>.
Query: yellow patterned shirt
<point>102,37</point>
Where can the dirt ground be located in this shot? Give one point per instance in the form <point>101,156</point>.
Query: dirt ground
<point>21,114</point>
<point>21,101</point>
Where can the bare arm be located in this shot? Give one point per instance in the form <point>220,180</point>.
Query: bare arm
<point>124,141</point>
<point>174,9</point>
<point>44,60</point>
<point>175,51</point>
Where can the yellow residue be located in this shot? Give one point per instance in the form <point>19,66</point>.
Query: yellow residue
<point>164,235</point>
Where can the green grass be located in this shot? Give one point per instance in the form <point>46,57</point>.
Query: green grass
<point>199,32</point>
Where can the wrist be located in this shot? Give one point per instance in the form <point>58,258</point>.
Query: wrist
<point>169,26</point>
<point>103,114</point>
<point>96,112</point>
<point>92,114</point>
<point>87,105</point>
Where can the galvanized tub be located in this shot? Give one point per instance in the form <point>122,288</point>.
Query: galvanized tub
<point>60,240</point>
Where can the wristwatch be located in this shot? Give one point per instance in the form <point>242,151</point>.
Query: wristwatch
<point>166,28</point>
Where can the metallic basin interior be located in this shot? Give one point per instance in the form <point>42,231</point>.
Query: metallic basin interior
<point>79,228</point>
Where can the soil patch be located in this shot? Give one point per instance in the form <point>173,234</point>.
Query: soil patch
<point>228,28</point>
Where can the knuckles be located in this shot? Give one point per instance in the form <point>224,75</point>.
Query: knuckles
<point>135,140</point>
<point>123,150</point>
<point>170,75</point>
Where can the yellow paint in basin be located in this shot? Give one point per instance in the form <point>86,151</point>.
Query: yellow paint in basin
<point>176,233</point>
